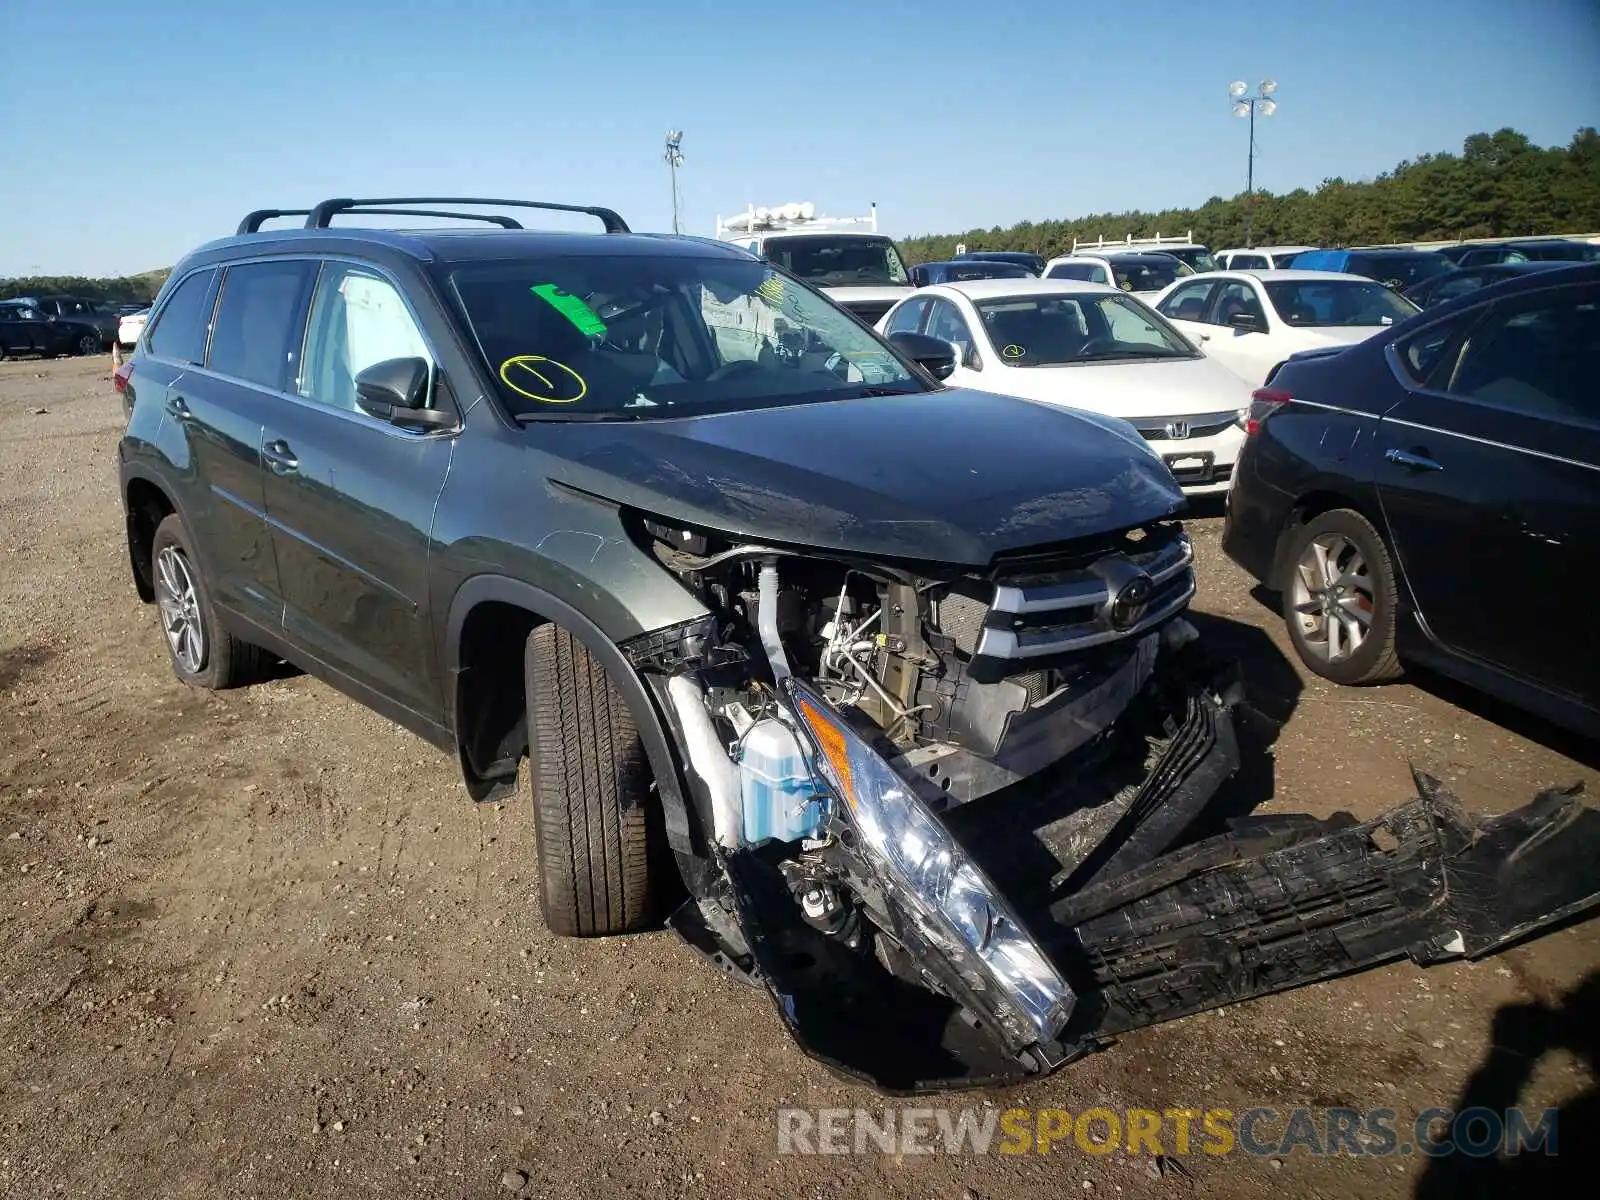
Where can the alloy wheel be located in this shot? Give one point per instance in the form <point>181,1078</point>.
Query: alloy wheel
<point>1332,597</point>
<point>180,609</point>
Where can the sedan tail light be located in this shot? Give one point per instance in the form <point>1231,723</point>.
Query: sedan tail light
<point>1263,403</point>
<point>121,376</point>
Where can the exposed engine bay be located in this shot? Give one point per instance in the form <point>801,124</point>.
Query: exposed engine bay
<point>910,779</point>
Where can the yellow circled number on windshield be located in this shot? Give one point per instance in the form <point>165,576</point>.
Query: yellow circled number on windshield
<point>1013,351</point>
<point>523,373</point>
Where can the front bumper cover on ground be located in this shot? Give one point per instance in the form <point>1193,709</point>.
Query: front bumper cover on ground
<point>1145,933</point>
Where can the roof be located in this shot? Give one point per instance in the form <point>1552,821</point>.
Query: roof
<point>1379,251</point>
<point>994,289</point>
<point>1111,256</point>
<point>1291,248</point>
<point>1280,275</point>
<point>446,244</point>
<point>767,235</point>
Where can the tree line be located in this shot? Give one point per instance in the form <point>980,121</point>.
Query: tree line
<point>125,289</point>
<point>1500,185</point>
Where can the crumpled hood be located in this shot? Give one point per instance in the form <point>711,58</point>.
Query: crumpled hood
<point>1129,390</point>
<point>953,476</point>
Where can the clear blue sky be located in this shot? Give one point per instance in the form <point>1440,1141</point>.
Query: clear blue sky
<point>134,130</point>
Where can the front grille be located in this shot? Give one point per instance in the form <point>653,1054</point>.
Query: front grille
<point>1199,425</point>
<point>1048,612</point>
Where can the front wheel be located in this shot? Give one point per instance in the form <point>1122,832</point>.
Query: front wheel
<point>1339,599</point>
<point>591,784</point>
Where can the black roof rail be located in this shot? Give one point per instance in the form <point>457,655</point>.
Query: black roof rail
<point>499,219</point>
<point>320,216</point>
<point>252,221</point>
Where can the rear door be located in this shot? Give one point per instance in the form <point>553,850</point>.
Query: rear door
<point>350,498</point>
<point>1489,474</point>
<point>210,433</point>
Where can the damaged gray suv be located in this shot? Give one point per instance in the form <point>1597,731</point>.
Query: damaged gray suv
<point>881,692</point>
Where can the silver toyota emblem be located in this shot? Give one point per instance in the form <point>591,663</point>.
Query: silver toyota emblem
<point>1176,431</point>
<point>1128,592</point>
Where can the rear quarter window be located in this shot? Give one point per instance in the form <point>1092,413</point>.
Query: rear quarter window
<point>179,330</point>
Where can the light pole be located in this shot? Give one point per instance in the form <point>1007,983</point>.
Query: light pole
<point>1245,106</point>
<point>674,159</point>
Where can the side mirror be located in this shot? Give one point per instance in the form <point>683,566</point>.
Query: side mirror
<point>1248,322</point>
<point>936,357</point>
<point>395,390</point>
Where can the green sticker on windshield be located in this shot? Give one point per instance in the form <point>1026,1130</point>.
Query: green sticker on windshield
<point>573,309</point>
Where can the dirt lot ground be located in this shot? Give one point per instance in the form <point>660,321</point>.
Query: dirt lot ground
<point>260,943</point>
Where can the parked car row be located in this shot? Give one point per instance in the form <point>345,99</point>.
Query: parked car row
<point>35,327</point>
<point>50,325</point>
<point>1433,496</point>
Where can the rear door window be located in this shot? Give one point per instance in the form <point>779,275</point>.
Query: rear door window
<point>1088,272</point>
<point>179,331</point>
<point>1539,357</point>
<point>260,321</point>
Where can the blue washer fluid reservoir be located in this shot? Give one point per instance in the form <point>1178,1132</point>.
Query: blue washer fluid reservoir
<point>777,793</point>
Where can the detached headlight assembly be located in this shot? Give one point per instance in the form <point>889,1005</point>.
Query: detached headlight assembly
<point>954,904</point>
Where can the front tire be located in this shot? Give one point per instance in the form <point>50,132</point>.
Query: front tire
<point>1340,599</point>
<point>202,652</point>
<point>591,784</point>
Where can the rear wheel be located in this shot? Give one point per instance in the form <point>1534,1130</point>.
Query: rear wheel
<point>203,653</point>
<point>88,344</point>
<point>591,784</point>
<point>1339,599</point>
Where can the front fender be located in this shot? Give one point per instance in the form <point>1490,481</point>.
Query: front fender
<point>485,588</point>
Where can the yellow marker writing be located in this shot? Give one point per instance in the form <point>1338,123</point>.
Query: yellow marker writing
<point>522,373</point>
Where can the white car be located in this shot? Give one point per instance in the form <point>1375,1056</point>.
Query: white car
<point>1091,347</point>
<point>1145,274</point>
<point>846,258</point>
<point>1250,321</point>
<point>1259,258</point>
<point>131,328</point>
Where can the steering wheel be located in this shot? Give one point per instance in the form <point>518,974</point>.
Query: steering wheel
<point>739,366</point>
<point>1100,342</point>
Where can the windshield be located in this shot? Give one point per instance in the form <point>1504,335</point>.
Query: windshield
<point>985,270</point>
<point>1196,258</point>
<point>1032,263</point>
<point>1560,252</point>
<point>1147,274</point>
<point>825,261</point>
<point>1049,331</point>
<point>1399,270</point>
<point>593,336</point>
<point>1310,303</point>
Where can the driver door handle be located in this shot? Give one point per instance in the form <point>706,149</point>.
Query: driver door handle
<point>279,457</point>
<point>1416,462</point>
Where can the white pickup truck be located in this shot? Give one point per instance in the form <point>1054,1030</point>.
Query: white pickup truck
<point>1185,249</point>
<point>846,257</point>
